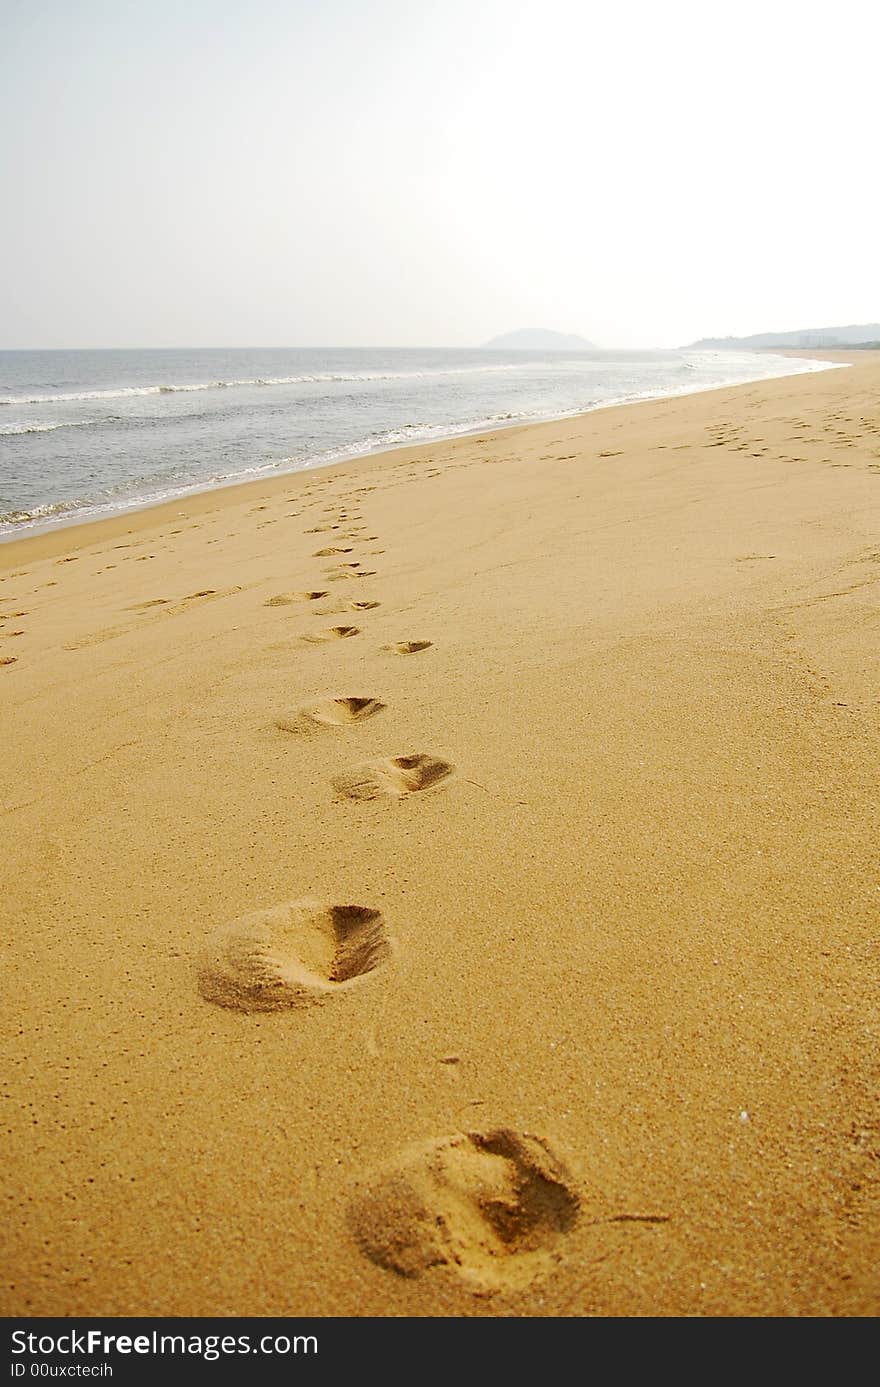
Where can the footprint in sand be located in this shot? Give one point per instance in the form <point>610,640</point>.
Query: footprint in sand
<point>364,606</point>
<point>326,553</point>
<point>349,571</point>
<point>8,660</point>
<point>393,777</point>
<point>331,633</point>
<point>492,1207</point>
<point>291,955</point>
<point>165,609</point>
<point>407,647</point>
<point>285,599</point>
<point>335,712</point>
<point>201,596</point>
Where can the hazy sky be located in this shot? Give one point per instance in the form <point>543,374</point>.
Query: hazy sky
<point>434,172</point>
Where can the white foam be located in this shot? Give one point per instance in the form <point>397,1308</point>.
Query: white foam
<point>9,430</point>
<point>318,378</point>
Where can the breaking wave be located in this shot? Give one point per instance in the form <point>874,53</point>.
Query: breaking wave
<point>318,378</point>
<point>7,431</point>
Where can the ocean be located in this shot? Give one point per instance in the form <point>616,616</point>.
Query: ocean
<point>85,434</point>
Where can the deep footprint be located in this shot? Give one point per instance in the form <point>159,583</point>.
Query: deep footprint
<point>395,776</point>
<point>408,647</point>
<point>492,1207</point>
<point>336,712</point>
<point>291,955</point>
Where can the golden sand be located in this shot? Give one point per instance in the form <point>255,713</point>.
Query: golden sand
<point>448,883</point>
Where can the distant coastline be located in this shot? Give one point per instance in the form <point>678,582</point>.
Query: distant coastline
<point>865,336</point>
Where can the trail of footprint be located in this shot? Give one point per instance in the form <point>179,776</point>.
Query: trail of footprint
<point>491,1207</point>
<point>292,955</point>
<point>335,712</point>
<point>165,608</point>
<point>394,777</point>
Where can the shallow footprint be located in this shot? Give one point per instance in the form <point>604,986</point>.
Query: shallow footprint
<point>408,647</point>
<point>364,606</point>
<point>332,633</point>
<point>291,955</point>
<point>336,712</point>
<point>492,1207</point>
<point>284,599</point>
<point>395,776</point>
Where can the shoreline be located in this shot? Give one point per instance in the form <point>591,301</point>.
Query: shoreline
<point>187,502</point>
<point>491,816</point>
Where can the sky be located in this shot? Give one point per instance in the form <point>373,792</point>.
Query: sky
<point>434,172</point>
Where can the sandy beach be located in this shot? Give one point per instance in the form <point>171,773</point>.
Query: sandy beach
<point>446,883</point>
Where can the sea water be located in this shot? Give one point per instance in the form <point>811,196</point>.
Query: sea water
<point>85,434</point>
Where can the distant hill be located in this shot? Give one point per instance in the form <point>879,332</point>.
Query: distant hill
<point>854,336</point>
<point>539,340</point>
